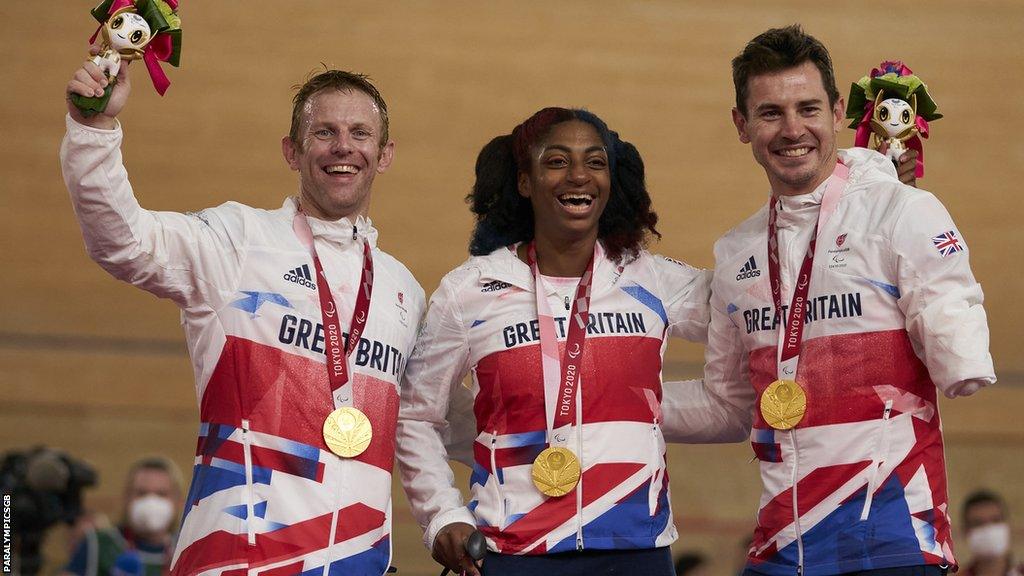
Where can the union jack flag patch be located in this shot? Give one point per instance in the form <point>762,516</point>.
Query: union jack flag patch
<point>947,243</point>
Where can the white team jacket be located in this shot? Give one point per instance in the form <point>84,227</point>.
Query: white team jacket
<point>894,312</point>
<point>482,320</point>
<point>266,493</point>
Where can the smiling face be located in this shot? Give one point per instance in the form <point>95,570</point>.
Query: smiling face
<point>791,128</point>
<point>127,31</point>
<point>569,182</point>
<point>338,153</point>
<point>895,116</point>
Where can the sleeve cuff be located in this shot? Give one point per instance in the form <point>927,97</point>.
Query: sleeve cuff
<point>453,516</point>
<point>968,387</point>
<point>74,125</point>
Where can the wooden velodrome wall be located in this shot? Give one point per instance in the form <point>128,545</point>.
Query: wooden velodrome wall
<point>98,368</point>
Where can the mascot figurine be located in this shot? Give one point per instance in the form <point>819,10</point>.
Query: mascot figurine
<point>892,107</point>
<point>130,30</point>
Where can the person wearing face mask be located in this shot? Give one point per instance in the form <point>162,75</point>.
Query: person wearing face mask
<point>141,544</point>
<point>986,525</point>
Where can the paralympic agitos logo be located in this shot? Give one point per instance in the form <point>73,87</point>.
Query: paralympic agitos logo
<point>575,351</point>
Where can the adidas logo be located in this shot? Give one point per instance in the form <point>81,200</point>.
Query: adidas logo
<point>494,286</point>
<point>749,270</point>
<point>301,277</point>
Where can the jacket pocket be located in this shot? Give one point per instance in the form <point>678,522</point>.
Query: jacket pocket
<point>766,447</point>
<point>657,469</point>
<point>881,451</point>
<point>250,530</point>
<point>499,506</point>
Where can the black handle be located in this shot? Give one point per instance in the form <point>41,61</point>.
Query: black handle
<point>476,547</point>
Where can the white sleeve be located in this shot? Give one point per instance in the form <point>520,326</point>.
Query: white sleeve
<point>190,259</point>
<point>686,291</point>
<point>432,376</point>
<point>461,433</point>
<point>940,298</point>
<point>719,407</point>
<point>692,411</point>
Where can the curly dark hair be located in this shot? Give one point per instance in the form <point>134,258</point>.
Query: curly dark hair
<point>504,217</point>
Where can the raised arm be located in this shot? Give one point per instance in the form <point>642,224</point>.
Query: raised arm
<point>191,259</point>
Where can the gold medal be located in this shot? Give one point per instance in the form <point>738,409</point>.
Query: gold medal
<point>347,432</point>
<point>556,471</point>
<point>783,404</point>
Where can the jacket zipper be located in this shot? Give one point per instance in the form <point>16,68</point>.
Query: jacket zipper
<point>579,455</point>
<point>497,482</point>
<point>796,508</point>
<point>792,434</point>
<point>880,451</point>
<point>655,489</point>
<point>250,513</point>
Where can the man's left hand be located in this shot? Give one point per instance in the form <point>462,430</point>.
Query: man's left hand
<point>906,166</point>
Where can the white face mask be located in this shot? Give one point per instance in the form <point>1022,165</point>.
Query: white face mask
<point>990,540</point>
<point>150,514</point>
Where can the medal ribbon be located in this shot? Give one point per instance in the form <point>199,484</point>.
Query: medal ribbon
<point>791,336</point>
<point>336,349</point>
<point>561,380</point>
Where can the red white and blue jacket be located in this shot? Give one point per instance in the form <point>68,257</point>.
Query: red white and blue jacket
<point>267,496</point>
<point>482,321</point>
<point>894,313</point>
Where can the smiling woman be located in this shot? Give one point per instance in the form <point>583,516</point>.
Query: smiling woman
<point>561,317</point>
<point>538,155</point>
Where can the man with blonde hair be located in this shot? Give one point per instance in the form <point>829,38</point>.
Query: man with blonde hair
<point>298,327</point>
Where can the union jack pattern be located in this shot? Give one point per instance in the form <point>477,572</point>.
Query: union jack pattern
<point>267,497</point>
<point>947,243</point>
<point>622,499</point>
<point>860,482</point>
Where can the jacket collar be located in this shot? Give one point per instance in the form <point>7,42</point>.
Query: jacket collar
<point>863,164</point>
<point>338,232</point>
<point>504,265</point>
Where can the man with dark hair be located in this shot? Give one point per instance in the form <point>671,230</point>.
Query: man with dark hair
<point>297,325</point>
<point>987,533</point>
<point>781,48</point>
<point>837,311</point>
<point>778,49</point>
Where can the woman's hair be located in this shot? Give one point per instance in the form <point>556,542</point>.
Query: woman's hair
<point>504,217</point>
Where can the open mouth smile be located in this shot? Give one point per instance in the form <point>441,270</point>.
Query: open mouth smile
<point>576,201</point>
<point>794,152</point>
<point>341,169</point>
